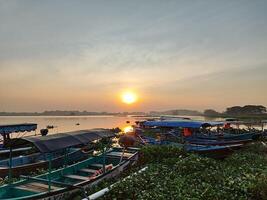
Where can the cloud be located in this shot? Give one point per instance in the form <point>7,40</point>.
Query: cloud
<point>71,47</point>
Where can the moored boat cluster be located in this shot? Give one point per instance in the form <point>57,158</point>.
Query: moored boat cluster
<point>75,161</point>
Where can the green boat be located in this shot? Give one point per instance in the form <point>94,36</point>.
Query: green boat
<point>57,149</point>
<point>60,183</point>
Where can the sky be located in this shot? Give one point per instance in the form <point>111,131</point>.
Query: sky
<point>82,55</point>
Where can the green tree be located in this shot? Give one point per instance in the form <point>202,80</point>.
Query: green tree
<point>246,110</point>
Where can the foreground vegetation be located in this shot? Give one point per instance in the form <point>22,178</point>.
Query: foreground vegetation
<point>174,174</point>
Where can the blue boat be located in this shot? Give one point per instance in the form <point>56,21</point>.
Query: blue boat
<point>24,165</point>
<point>181,124</point>
<point>196,125</point>
<point>4,153</point>
<point>218,142</point>
<point>62,183</point>
<point>54,150</point>
<point>227,136</point>
<point>5,133</point>
<point>6,130</point>
<point>207,150</point>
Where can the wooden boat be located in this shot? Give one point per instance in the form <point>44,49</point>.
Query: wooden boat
<point>218,152</point>
<point>214,151</point>
<point>54,149</point>
<point>5,134</point>
<point>226,136</point>
<point>61,183</point>
<point>23,165</point>
<point>222,142</point>
<point>4,153</point>
<point>8,129</point>
<point>202,124</point>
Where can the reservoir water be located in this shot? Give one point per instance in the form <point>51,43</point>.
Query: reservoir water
<point>70,123</point>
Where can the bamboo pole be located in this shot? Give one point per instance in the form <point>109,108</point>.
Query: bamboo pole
<point>10,165</point>
<point>122,154</point>
<point>49,172</point>
<point>104,160</point>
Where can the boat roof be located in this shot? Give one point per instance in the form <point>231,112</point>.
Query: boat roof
<point>11,128</point>
<point>60,141</point>
<point>181,124</point>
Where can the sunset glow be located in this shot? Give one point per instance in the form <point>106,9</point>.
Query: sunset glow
<point>129,97</point>
<point>125,57</point>
<point>128,129</point>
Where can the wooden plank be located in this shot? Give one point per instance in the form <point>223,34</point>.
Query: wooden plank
<point>30,189</point>
<point>44,185</point>
<point>72,176</point>
<point>88,170</point>
<point>36,187</point>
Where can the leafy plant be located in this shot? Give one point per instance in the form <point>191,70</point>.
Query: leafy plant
<point>173,174</point>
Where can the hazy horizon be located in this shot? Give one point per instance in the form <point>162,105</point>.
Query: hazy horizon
<point>81,55</point>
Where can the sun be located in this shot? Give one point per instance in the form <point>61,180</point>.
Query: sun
<point>129,97</point>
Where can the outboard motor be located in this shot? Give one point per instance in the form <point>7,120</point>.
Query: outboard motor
<point>44,131</point>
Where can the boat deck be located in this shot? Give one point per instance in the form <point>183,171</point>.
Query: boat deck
<point>37,187</point>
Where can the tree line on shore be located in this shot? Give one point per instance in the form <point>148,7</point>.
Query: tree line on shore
<point>246,110</point>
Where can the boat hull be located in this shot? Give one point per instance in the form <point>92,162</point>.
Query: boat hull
<point>58,177</point>
<point>214,151</point>
<point>26,169</point>
<point>246,136</point>
<point>4,152</point>
<point>218,152</point>
<point>67,192</point>
<point>216,142</point>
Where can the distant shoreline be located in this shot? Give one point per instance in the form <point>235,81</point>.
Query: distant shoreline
<point>175,113</point>
<point>239,117</point>
<point>67,113</point>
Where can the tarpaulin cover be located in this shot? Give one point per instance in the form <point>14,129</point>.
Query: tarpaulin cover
<point>11,128</point>
<point>181,124</point>
<point>59,141</point>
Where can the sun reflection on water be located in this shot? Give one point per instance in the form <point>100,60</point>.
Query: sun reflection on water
<point>128,129</point>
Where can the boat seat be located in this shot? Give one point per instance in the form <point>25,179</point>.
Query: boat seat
<point>72,176</point>
<point>119,154</point>
<point>36,187</point>
<point>88,170</point>
<point>97,165</point>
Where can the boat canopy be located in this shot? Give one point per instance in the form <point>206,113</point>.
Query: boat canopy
<point>60,141</point>
<point>11,128</point>
<point>181,124</point>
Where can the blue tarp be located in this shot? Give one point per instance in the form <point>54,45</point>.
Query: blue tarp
<point>181,124</point>
<point>11,128</point>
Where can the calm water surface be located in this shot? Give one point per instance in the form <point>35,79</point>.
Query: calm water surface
<point>68,123</point>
